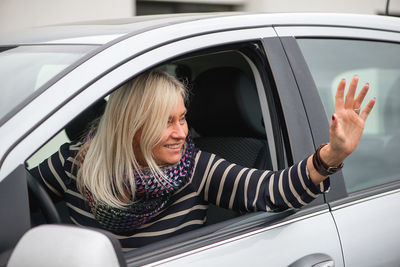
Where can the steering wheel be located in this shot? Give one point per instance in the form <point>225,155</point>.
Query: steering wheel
<point>46,205</point>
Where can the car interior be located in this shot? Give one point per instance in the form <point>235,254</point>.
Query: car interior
<point>224,117</point>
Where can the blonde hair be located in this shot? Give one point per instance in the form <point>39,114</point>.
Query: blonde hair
<point>144,104</point>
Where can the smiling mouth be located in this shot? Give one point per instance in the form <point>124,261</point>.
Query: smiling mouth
<point>174,146</point>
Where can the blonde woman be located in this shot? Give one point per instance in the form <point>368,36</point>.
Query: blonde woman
<point>139,175</point>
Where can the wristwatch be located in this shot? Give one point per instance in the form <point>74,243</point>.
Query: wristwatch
<point>321,167</point>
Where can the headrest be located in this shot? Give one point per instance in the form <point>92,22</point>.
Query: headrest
<point>79,126</point>
<point>225,103</point>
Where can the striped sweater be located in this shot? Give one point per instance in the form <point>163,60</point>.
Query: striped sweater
<point>214,180</point>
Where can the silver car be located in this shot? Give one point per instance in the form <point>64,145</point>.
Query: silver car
<point>275,75</point>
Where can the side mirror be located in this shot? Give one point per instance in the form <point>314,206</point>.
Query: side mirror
<point>66,245</point>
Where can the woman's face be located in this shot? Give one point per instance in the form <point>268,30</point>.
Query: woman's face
<point>169,150</point>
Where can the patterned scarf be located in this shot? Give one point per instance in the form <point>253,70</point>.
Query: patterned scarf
<point>152,195</point>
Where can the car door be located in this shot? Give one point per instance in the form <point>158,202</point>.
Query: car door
<point>365,208</point>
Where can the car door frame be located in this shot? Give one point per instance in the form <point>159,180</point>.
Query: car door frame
<point>312,102</point>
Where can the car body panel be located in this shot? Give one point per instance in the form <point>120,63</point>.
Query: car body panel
<point>295,238</point>
<point>370,226</point>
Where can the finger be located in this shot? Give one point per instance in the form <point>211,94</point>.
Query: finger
<point>339,101</point>
<point>348,102</point>
<point>334,129</point>
<point>367,109</point>
<point>334,123</point>
<point>360,98</point>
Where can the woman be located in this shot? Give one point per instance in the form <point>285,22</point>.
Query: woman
<point>139,175</point>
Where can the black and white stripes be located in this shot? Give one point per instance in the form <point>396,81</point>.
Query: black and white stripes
<point>214,181</point>
<point>235,187</point>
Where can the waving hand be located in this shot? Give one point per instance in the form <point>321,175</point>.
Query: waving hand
<point>346,127</point>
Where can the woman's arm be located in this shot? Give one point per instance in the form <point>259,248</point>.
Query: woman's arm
<point>346,128</point>
<point>235,187</point>
<point>55,172</point>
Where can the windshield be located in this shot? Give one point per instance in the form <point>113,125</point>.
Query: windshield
<point>24,69</point>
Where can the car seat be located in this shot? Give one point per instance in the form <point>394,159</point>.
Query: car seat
<point>79,126</point>
<point>225,113</point>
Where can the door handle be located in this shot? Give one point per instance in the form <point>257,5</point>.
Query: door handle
<point>314,260</point>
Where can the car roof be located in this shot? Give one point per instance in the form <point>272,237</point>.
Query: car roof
<point>97,32</point>
<point>101,32</point>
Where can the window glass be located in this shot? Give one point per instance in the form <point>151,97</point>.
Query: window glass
<point>24,69</point>
<point>375,161</point>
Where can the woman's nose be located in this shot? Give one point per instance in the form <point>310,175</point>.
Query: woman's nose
<point>179,131</point>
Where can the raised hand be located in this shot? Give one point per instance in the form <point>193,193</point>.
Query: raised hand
<point>346,127</point>
<point>347,123</point>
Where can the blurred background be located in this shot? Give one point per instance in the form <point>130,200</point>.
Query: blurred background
<point>20,14</point>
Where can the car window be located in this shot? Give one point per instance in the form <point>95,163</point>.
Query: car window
<point>375,161</point>
<point>24,69</point>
